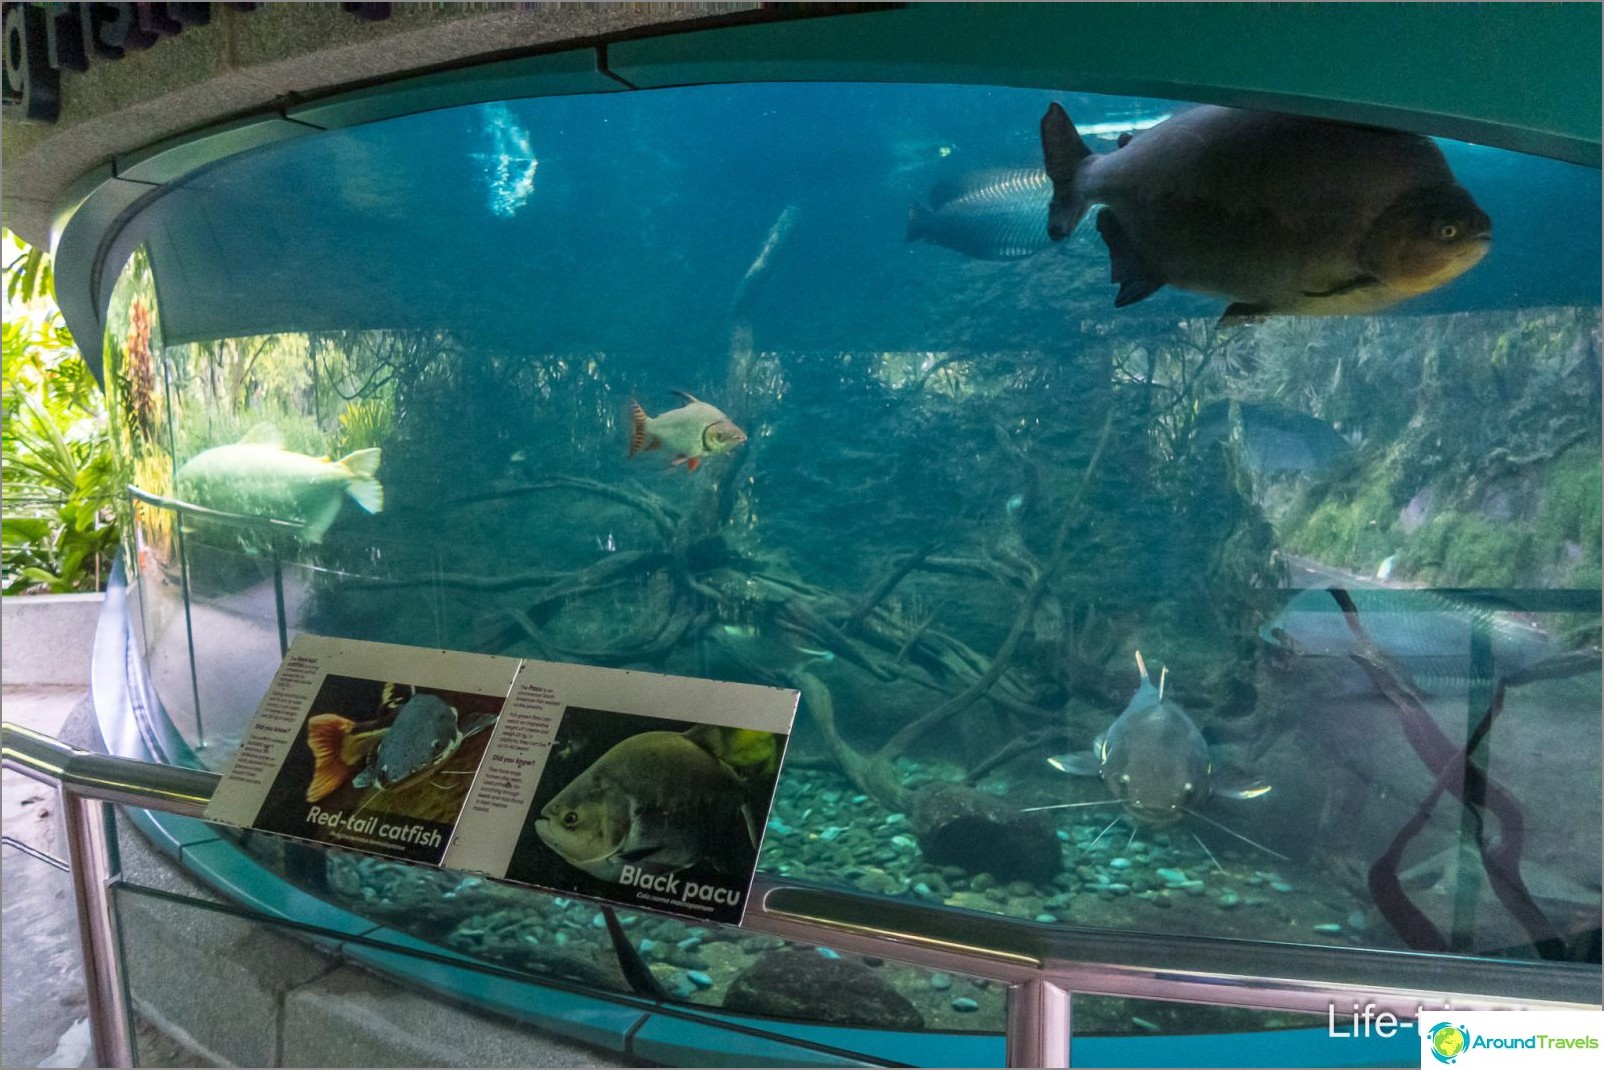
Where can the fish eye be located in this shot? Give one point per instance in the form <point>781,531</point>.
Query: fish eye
<point>1124,778</point>
<point>1446,232</point>
<point>570,819</point>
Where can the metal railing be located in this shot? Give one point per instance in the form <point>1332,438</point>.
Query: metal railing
<point>1042,966</point>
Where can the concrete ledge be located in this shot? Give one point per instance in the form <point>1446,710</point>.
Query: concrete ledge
<point>351,1018</point>
<point>48,638</point>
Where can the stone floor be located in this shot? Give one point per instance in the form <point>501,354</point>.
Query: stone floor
<point>44,1016</point>
<point>43,1012</point>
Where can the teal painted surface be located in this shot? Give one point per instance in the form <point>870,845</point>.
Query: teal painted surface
<point>1290,1047</point>
<point>552,75</point>
<point>172,160</point>
<point>1520,76</point>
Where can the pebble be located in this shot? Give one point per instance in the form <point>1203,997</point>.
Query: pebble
<point>1228,900</point>
<point>1021,888</point>
<point>826,953</point>
<point>1119,888</point>
<point>647,945</point>
<point>905,841</point>
<point>922,889</point>
<point>871,960</point>
<point>1160,900</point>
<point>1280,886</point>
<point>598,922</point>
<point>1356,920</point>
<point>699,978</point>
<point>940,981</point>
<point>1172,876</point>
<point>1063,835</point>
<point>1329,927</point>
<point>689,942</point>
<point>1119,863</point>
<point>896,819</point>
<point>965,1005</point>
<point>831,833</point>
<point>859,800</point>
<point>1046,919</point>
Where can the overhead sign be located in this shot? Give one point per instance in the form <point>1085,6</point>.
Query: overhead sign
<point>44,39</point>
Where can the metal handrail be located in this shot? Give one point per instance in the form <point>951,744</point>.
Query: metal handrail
<point>1042,965</point>
<point>148,785</point>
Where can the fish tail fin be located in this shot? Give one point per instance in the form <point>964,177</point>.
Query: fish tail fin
<point>325,737</point>
<point>1063,152</point>
<point>637,428</point>
<point>365,489</point>
<point>918,222</point>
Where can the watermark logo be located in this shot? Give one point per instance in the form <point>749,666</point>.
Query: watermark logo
<point>1511,1040</point>
<point>1447,1041</point>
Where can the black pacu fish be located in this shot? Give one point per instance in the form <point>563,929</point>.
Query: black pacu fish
<point>1279,214</point>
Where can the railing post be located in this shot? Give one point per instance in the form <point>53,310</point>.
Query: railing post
<point>88,851</point>
<point>1038,1024</point>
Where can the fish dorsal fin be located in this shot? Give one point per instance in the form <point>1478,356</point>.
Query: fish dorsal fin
<point>687,395</point>
<point>708,737</point>
<point>993,183</point>
<point>263,434</point>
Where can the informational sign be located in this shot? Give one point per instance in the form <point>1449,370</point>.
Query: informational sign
<point>634,788</point>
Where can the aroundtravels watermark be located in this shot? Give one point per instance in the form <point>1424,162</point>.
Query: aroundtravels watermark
<point>1474,1039</point>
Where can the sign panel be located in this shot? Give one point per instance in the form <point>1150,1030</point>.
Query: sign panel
<point>634,788</point>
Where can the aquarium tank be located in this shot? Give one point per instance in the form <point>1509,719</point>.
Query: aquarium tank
<point>1124,589</point>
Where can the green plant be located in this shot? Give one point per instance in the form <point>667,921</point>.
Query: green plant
<point>57,531</point>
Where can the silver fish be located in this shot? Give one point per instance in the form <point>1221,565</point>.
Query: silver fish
<point>1276,213</point>
<point>1428,639</point>
<point>990,215</point>
<point>690,432</point>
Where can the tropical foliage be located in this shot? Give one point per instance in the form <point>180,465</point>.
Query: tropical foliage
<point>59,477</point>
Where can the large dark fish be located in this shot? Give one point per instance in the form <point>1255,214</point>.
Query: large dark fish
<point>991,215</point>
<point>1154,760</point>
<point>658,799</point>
<point>1276,213</point>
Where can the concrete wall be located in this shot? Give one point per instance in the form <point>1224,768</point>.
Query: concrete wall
<point>48,639</point>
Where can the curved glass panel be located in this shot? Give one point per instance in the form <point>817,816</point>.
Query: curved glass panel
<point>1054,577</point>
